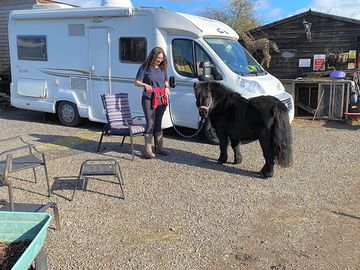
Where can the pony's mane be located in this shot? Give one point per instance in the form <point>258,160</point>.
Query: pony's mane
<point>215,87</point>
<point>221,90</point>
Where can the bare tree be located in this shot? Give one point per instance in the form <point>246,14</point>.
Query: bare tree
<point>238,14</point>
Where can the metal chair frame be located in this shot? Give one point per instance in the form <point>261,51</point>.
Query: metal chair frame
<point>127,123</point>
<point>34,158</point>
<point>100,167</point>
<point>20,163</point>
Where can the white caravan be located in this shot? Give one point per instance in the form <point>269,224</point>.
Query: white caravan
<point>63,59</point>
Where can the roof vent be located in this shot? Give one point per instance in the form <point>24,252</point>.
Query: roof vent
<point>117,3</point>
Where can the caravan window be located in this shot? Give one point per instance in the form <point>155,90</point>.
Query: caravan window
<point>31,48</point>
<point>187,55</point>
<point>132,49</point>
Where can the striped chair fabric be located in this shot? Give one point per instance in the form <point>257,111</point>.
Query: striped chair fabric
<point>120,121</point>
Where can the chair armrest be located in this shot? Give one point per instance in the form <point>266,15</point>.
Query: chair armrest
<point>27,145</point>
<point>12,150</point>
<point>138,117</point>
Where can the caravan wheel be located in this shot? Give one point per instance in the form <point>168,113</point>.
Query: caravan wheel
<point>68,114</point>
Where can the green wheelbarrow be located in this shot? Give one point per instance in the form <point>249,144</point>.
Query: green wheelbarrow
<point>25,227</point>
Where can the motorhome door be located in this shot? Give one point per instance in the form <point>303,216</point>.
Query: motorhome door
<point>184,58</point>
<point>100,70</point>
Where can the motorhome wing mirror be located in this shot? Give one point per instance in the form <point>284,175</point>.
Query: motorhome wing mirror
<point>208,72</point>
<point>205,71</point>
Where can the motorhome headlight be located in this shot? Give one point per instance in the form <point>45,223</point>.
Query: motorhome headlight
<point>250,86</point>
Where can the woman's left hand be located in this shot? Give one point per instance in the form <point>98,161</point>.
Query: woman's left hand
<point>167,91</point>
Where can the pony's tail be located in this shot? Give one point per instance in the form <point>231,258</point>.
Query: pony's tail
<point>282,137</point>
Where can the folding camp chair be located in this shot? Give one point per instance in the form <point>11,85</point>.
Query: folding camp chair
<point>100,167</point>
<point>119,119</point>
<point>23,207</point>
<point>21,157</point>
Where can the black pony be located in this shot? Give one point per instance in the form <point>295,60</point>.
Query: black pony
<point>263,118</point>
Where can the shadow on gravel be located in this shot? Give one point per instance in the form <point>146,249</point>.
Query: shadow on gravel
<point>195,160</point>
<point>62,183</point>
<point>30,191</point>
<point>86,142</point>
<point>342,125</point>
<point>346,215</point>
<point>23,115</point>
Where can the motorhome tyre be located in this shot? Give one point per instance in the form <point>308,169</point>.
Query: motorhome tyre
<point>210,133</point>
<point>68,114</point>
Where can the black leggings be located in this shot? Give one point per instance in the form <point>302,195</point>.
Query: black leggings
<point>153,116</point>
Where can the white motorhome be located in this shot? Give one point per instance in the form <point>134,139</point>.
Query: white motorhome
<point>63,59</point>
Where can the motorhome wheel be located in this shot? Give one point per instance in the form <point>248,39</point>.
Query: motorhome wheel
<point>68,114</point>
<point>210,133</point>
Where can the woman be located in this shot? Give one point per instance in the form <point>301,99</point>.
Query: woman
<point>152,76</point>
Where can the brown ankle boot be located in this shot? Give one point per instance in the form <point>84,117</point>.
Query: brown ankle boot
<point>159,142</point>
<point>148,146</point>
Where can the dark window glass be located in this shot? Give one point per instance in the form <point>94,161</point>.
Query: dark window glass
<point>187,55</point>
<point>183,57</point>
<point>31,48</point>
<point>132,50</point>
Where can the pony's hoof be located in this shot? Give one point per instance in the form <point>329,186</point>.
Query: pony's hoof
<point>237,161</point>
<point>221,161</point>
<point>267,174</point>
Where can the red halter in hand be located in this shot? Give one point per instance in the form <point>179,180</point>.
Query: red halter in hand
<point>159,95</point>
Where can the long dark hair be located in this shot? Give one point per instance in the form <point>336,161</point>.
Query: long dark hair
<point>151,59</point>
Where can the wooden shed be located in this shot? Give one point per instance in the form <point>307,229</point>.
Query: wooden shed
<point>5,7</point>
<point>312,46</point>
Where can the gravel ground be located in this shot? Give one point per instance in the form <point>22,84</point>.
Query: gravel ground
<point>185,211</point>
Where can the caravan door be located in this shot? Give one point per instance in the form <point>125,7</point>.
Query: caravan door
<point>184,58</point>
<point>100,70</point>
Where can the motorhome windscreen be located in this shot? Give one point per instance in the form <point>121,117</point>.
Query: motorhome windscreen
<point>235,56</point>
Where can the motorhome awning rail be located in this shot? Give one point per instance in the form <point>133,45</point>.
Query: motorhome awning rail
<point>71,13</point>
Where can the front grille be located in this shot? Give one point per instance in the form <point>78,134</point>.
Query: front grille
<point>288,103</point>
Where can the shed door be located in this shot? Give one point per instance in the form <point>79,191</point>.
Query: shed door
<point>100,83</point>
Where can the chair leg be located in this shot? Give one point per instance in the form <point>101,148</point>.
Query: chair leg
<point>47,176</point>
<point>56,216</point>
<point>55,209</point>
<point>77,183</point>
<point>122,142</point>
<point>11,201</point>
<point>34,173</point>
<point>132,147</point>
<point>78,178</point>
<point>99,144</point>
<point>119,173</point>
<point>120,178</point>
<point>105,129</point>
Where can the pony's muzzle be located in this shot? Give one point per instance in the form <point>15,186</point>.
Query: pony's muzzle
<point>203,111</point>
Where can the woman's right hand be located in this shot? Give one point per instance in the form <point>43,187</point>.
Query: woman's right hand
<point>148,88</point>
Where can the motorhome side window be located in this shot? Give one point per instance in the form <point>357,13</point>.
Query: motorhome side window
<point>187,56</point>
<point>132,49</point>
<point>31,48</point>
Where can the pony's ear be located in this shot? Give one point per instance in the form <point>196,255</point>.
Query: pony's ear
<point>195,85</point>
